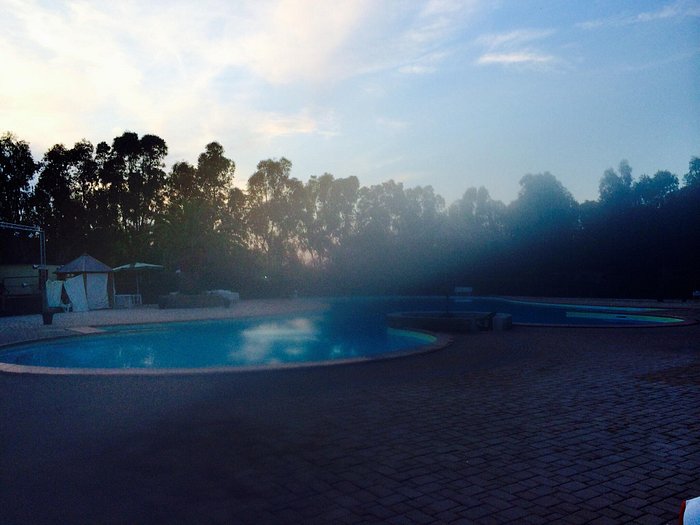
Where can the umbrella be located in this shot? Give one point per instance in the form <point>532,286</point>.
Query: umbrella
<point>137,267</point>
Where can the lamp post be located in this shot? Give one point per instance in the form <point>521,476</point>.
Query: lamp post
<point>43,269</point>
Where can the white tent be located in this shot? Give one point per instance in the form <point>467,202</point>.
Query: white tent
<point>88,287</point>
<point>75,288</point>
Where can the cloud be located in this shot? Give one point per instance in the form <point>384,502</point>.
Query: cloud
<point>514,58</point>
<point>679,9</point>
<point>247,72</point>
<point>427,40</point>
<point>294,40</point>
<point>306,122</point>
<point>515,48</point>
<point>515,38</point>
<point>425,64</point>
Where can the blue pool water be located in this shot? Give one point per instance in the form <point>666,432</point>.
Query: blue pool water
<point>350,328</point>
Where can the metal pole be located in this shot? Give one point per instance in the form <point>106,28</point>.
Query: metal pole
<point>43,276</point>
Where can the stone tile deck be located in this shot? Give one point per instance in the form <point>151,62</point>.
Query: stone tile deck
<point>535,425</point>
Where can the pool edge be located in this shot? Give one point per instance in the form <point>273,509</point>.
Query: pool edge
<point>442,340</point>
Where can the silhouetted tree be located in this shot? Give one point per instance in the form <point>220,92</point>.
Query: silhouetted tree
<point>63,199</point>
<point>328,215</point>
<point>17,169</point>
<point>133,184</point>
<point>692,178</point>
<point>333,236</point>
<point>543,221</point>
<point>191,231</point>
<point>616,188</point>
<point>274,215</point>
<point>653,191</point>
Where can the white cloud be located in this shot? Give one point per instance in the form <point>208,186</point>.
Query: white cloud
<point>196,72</point>
<point>295,40</point>
<point>514,58</point>
<point>679,9</point>
<point>516,38</point>
<point>271,125</point>
<point>515,48</point>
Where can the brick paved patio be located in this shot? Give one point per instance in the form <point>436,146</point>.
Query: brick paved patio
<point>530,426</point>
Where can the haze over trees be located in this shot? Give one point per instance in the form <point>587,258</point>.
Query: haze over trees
<point>330,235</point>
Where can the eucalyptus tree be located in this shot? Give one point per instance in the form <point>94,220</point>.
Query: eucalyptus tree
<point>543,224</point>
<point>275,204</point>
<point>63,199</point>
<point>654,191</point>
<point>616,188</point>
<point>17,169</point>
<point>381,210</point>
<point>692,178</point>
<point>475,237</point>
<point>328,216</point>
<point>544,207</point>
<point>132,186</point>
<point>476,213</point>
<point>192,230</point>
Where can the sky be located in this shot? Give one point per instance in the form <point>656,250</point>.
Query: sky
<point>445,93</point>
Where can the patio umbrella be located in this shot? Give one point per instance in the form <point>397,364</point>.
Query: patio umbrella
<point>137,267</point>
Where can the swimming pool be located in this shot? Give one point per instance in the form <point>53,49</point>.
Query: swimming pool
<point>350,329</point>
<point>337,335</point>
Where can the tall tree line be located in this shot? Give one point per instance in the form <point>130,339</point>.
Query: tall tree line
<point>331,235</point>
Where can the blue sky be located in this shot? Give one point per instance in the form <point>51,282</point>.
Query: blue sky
<point>445,93</point>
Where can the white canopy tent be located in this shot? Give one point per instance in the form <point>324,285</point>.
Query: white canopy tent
<point>86,283</point>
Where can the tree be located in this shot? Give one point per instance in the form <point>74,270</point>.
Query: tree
<point>194,230</point>
<point>543,206</point>
<point>133,184</point>
<point>543,225</point>
<point>692,178</point>
<point>653,191</point>
<point>381,209</point>
<point>328,217</point>
<point>17,169</point>
<point>64,199</point>
<point>275,207</point>
<point>615,189</point>
<point>477,212</point>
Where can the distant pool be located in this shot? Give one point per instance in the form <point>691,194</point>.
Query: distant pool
<point>554,314</point>
<point>352,328</point>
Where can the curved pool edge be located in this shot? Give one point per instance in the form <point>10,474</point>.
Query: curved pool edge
<point>681,313</point>
<point>441,341</point>
<point>682,321</point>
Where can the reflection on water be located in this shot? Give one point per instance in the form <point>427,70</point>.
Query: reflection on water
<point>264,342</point>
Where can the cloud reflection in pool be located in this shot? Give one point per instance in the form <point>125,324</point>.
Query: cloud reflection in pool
<point>263,342</point>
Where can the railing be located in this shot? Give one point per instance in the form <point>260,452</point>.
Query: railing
<point>127,300</point>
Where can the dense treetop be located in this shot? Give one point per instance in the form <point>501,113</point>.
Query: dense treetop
<point>331,235</point>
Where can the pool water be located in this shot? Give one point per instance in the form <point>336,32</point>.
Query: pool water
<point>326,336</point>
<point>349,328</point>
